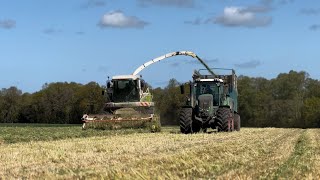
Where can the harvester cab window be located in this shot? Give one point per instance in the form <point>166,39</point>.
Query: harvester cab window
<point>126,90</point>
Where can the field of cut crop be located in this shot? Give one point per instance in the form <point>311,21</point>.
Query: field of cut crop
<point>67,152</point>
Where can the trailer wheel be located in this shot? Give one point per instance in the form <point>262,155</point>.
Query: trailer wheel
<point>224,120</point>
<point>237,122</point>
<point>185,118</point>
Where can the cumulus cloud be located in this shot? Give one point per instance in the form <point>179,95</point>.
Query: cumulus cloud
<point>314,27</point>
<point>117,19</point>
<point>263,8</point>
<point>173,3</point>
<point>7,24</point>
<point>310,11</point>
<point>94,3</point>
<point>249,64</point>
<point>238,16</point>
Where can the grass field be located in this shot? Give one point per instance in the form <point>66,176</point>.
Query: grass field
<point>67,152</point>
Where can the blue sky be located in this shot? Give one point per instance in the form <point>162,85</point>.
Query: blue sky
<point>89,40</point>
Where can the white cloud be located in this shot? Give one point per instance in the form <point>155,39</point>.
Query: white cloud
<point>238,16</point>
<point>118,19</point>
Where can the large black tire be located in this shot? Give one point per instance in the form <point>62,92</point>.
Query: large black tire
<point>185,118</point>
<point>237,122</point>
<point>224,120</point>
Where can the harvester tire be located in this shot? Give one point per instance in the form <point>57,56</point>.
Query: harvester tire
<point>224,120</point>
<point>185,118</point>
<point>237,121</point>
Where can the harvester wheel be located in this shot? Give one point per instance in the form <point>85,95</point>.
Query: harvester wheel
<point>185,118</point>
<point>224,120</point>
<point>237,121</point>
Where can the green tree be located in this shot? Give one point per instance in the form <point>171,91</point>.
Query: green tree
<point>289,92</point>
<point>168,102</point>
<point>10,104</point>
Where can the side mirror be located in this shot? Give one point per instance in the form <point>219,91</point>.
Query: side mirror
<point>182,89</point>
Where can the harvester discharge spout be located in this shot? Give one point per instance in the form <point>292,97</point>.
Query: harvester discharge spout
<point>177,53</point>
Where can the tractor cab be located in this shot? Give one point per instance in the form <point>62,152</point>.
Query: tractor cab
<point>207,93</point>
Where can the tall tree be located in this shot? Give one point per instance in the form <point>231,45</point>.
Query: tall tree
<point>10,104</point>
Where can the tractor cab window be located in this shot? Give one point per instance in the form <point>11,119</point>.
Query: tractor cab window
<point>125,90</point>
<point>208,88</point>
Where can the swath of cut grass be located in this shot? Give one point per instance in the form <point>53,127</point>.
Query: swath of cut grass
<point>14,133</point>
<point>298,163</point>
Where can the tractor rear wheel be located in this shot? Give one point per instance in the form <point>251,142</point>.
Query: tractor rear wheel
<point>224,120</point>
<point>185,118</point>
<point>237,121</point>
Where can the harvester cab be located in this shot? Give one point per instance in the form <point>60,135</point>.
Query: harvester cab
<point>127,88</point>
<point>212,103</point>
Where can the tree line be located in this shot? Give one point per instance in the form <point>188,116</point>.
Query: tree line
<point>55,103</point>
<point>289,100</point>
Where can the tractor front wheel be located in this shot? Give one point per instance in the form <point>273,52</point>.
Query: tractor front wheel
<point>224,120</point>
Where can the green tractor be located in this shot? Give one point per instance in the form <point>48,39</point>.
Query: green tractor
<point>212,103</point>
